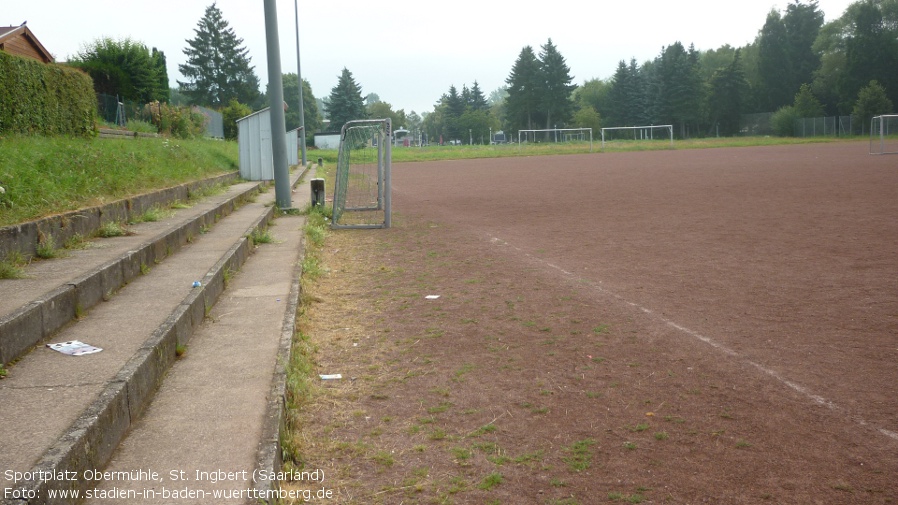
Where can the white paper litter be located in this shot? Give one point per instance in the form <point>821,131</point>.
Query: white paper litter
<point>432,297</point>
<point>331,376</point>
<point>74,348</point>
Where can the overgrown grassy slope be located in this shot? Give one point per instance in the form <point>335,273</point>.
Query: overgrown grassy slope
<point>48,175</point>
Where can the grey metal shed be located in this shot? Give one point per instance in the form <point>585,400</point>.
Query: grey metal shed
<point>254,140</point>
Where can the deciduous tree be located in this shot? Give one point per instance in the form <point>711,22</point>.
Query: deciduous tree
<point>125,68</point>
<point>872,48</point>
<point>872,101</point>
<point>313,120</point>
<point>806,104</point>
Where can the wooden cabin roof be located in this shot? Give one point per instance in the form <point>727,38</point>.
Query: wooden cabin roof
<point>20,40</point>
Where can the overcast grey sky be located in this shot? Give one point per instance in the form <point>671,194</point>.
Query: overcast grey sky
<point>409,53</point>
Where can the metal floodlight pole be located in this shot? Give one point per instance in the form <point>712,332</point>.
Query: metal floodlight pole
<point>276,102</point>
<point>302,116</point>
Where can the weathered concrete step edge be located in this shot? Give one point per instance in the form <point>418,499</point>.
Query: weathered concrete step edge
<point>270,455</point>
<point>24,328</point>
<point>25,237</point>
<point>90,441</point>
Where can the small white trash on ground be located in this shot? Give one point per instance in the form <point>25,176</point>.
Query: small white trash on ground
<point>74,348</point>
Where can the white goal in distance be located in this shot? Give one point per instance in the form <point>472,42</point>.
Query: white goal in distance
<point>557,135</point>
<point>651,132</point>
<point>884,134</point>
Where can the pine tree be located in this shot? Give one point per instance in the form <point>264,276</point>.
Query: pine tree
<point>727,96</point>
<point>676,88</point>
<point>345,102</point>
<point>477,100</point>
<point>627,95</point>
<point>218,68</point>
<point>163,92</point>
<point>619,103</point>
<point>555,95</point>
<point>802,24</point>
<point>775,90</point>
<point>455,107</point>
<point>466,95</point>
<point>524,86</point>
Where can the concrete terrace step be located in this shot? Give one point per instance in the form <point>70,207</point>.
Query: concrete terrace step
<point>55,291</point>
<point>218,411</point>
<point>68,414</point>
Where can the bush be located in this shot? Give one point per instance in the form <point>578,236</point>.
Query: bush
<point>136,125</point>
<point>872,101</point>
<point>783,121</point>
<point>45,99</point>
<point>180,122</point>
<point>230,114</point>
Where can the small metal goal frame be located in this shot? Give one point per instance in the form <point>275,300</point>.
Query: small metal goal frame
<point>383,144</point>
<point>880,129</point>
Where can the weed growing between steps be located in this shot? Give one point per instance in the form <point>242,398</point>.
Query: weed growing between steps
<point>46,247</point>
<point>13,266</point>
<point>261,236</point>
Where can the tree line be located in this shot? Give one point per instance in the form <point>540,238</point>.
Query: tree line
<point>797,66</point>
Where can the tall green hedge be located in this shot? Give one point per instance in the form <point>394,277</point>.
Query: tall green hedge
<point>44,99</point>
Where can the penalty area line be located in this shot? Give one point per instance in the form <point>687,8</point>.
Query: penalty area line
<point>798,388</point>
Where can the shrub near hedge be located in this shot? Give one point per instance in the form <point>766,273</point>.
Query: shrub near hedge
<point>44,99</point>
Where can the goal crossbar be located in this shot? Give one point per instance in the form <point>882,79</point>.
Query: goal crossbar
<point>646,132</point>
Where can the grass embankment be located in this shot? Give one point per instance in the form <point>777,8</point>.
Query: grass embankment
<point>47,175</point>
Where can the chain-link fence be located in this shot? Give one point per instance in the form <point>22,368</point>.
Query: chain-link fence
<point>752,125</point>
<point>830,126</point>
<point>214,123</point>
<point>114,110</point>
<point>117,111</point>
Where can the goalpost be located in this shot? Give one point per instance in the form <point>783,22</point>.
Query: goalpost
<point>663,131</point>
<point>884,134</point>
<point>362,182</point>
<point>557,135</point>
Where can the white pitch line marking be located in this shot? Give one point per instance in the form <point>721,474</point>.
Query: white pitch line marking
<point>707,340</point>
